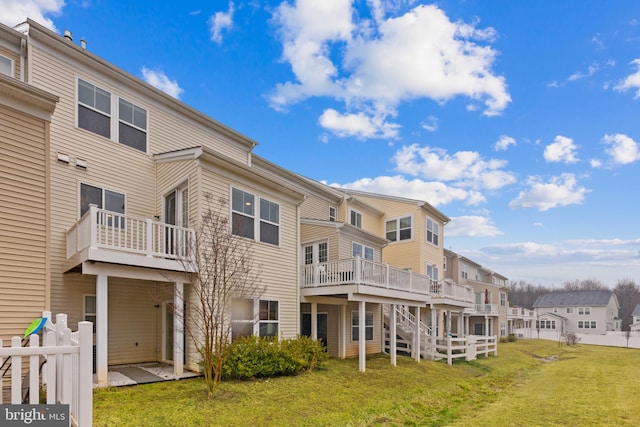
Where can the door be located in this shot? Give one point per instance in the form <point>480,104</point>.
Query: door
<point>478,329</point>
<point>323,326</point>
<point>176,212</point>
<point>315,254</point>
<point>167,331</point>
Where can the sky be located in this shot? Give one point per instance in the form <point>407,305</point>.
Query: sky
<point>519,120</point>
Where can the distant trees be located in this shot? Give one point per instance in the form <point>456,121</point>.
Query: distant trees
<point>584,285</point>
<point>628,294</point>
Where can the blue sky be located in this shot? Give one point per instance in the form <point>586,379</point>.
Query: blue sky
<point>517,119</point>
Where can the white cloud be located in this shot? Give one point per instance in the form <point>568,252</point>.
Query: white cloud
<point>436,193</point>
<point>431,124</point>
<point>559,191</point>
<point>591,70</point>
<point>357,125</point>
<point>632,81</point>
<point>471,226</point>
<point>595,163</point>
<point>622,149</point>
<point>13,12</point>
<point>466,168</point>
<point>504,142</point>
<point>562,149</point>
<point>219,22</point>
<point>159,80</point>
<point>334,53</point>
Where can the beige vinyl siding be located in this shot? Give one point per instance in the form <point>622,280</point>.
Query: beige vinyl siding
<point>277,264</point>
<point>13,56</point>
<point>314,233</point>
<point>315,208</point>
<point>23,222</point>
<point>373,346</point>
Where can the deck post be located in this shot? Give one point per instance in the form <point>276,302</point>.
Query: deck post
<point>392,335</point>
<point>85,365</point>
<point>362,338</point>
<point>343,347</point>
<point>486,325</point>
<point>102,321</point>
<point>314,320</point>
<point>416,335</point>
<point>178,328</point>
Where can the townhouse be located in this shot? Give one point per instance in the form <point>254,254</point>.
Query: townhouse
<point>585,312</point>
<point>105,179</point>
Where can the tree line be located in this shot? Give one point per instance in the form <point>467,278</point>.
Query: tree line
<point>523,294</point>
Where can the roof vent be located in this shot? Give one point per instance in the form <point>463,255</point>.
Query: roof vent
<point>83,43</point>
<point>67,35</point>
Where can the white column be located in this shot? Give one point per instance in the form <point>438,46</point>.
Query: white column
<point>486,326</point>
<point>178,328</point>
<point>392,334</point>
<point>448,322</point>
<point>466,325</point>
<point>362,339</point>
<point>416,336</point>
<point>343,347</point>
<point>102,322</point>
<point>314,320</point>
<point>434,321</point>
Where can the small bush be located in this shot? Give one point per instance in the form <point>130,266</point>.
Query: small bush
<point>512,338</point>
<point>503,340</point>
<point>254,357</point>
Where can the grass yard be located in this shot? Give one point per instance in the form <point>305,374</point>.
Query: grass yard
<point>530,383</point>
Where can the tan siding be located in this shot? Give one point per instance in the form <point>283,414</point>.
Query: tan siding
<point>23,223</point>
<point>15,57</point>
<point>315,208</point>
<point>372,347</point>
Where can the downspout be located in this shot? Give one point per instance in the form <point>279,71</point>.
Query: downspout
<point>23,54</point>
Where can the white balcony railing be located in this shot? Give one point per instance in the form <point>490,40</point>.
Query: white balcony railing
<point>486,308</point>
<point>366,272</point>
<point>102,229</point>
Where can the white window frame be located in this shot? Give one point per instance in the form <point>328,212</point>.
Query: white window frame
<point>356,326</point>
<point>89,316</point>
<point>102,202</point>
<point>256,216</point>
<point>268,220</point>
<point>359,219</point>
<point>433,272</point>
<point>332,214</point>
<point>131,124</point>
<point>568,310</point>
<point>11,65</point>
<point>584,311</point>
<point>250,321</point>
<point>363,251</point>
<point>94,108</point>
<point>397,230</point>
<point>463,271</point>
<point>262,321</point>
<point>436,225</point>
<point>503,299</point>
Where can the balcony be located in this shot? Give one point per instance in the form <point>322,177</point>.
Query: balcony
<point>361,276</point>
<point>449,293</point>
<point>521,313</point>
<point>110,237</point>
<point>484,309</point>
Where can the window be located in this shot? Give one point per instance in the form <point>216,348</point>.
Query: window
<point>132,125</point>
<point>355,218</point>
<point>433,231</point>
<point>432,271</point>
<point>241,318</point>
<point>503,299</point>
<point>569,310</point>
<point>444,263</point>
<point>104,199</point>
<point>89,310</point>
<point>355,325</point>
<point>362,251</point>
<point>463,271</point>
<point>243,217</point>
<point>503,329</point>
<point>94,109</point>
<point>545,324</point>
<point>332,214</point>
<point>268,324</point>
<point>6,66</point>
<point>584,311</point>
<point>399,229</point>
<point>269,222</point>
<point>587,324</point>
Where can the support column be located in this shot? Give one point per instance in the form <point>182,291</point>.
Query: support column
<point>314,320</point>
<point>178,328</point>
<point>392,334</point>
<point>486,326</point>
<point>466,325</point>
<point>362,339</point>
<point>102,322</point>
<point>448,323</point>
<point>434,322</point>
<point>416,336</point>
<point>343,337</point>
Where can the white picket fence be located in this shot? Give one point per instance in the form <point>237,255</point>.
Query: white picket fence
<point>468,347</point>
<point>66,374</point>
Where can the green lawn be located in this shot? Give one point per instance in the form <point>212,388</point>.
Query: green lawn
<point>530,383</point>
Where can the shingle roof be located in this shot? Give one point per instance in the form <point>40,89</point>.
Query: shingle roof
<point>573,299</point>
<point>636,311</point>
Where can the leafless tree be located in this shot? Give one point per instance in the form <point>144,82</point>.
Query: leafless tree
<point>628,294</point>
<point>584,285</point>
<point>224,268</point>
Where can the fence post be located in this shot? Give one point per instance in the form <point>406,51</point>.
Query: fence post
<point>34,372</point>
<point>85,374</point>
<point>49,340</point>
<point>16,373</point>
<point>449,351</point>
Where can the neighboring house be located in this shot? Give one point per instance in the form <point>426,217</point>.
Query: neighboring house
<point>635,319</point>
<point>25,115</point>
<point>520,318</point>
<point>585,312</point>
<point>488,316</point>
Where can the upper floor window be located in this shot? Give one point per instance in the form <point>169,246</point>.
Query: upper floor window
<point>433,232</point>
<point>399,229</point>
<point>584,311</point>
<point>94,109</point>
<point>362,251</point>
<point>355,218</point>
<point>569,310</point>
<point>104,199</point>
<point>332,214</point>
<point>243,217</point>
<point>432,272</point>
<point>503,299</point>
<point>132,125</point>
<point>6,66</point>
<point>463,271</point>
<point>94,115</point>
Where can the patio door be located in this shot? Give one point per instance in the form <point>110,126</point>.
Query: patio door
<point>316,252</point>
<point>176,212</point>
<point>323,326</point>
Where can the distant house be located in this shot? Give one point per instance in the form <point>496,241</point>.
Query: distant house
<point>635,319</point>
<point>586,312</point>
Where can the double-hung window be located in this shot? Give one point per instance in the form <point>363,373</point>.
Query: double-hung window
<point>362,251</point>
<point>399,229</point>
<point>433,232</point>
<point>132,125</point>
<point>355,325</point>
<point>569,310</point>
<point>503,299</point>
<point>94,109</point>
<point>463,271</point>
<point>103,199</point>
<point>268,323</point>
<point>584,311</point>
<point>355,218</point>
<point>6,66</point>
<point>332,214</point>
<point>432,272</point>
<point>243,216</point>
<point>241,318</point>
<point>89,309</point>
